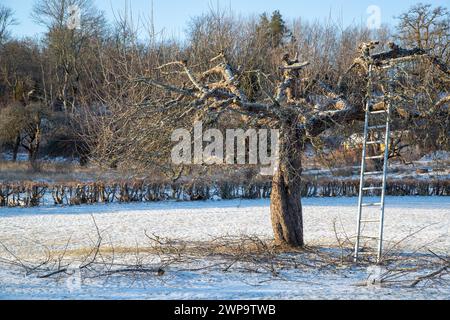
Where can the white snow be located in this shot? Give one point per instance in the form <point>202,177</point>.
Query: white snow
<point>27,231</point>
<point>436,156</point>
<point>23,156</point>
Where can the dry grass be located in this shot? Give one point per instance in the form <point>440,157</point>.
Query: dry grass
<point>50,172</point>
<point>226,246</point>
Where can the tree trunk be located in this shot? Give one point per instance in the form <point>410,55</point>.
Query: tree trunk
<point>16,148</point>
<point>35,143</point>
<point>285,206</point>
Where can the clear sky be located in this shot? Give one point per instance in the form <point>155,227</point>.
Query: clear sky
<point>172,16</point>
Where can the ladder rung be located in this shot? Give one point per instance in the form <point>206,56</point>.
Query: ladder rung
<point>371,204</point>
<point>370,221</point>
<point>378,112</point>
<point>374,142</point>
<point>373,173</point>
<point>372,188</point>
<point>375,157</point>
<point>368,237</point>
<point>377,127</point>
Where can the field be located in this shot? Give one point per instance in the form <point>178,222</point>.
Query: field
<point>417,231</point>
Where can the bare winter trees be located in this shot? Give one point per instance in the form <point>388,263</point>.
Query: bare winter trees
<point>24,126</point>
<point>426,28</point>
<point>67,46</point>
<point>20,78</point>
<point>6,20</point>
<point>73,70</point>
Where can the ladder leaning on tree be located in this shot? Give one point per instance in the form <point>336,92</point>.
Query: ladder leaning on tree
<point>374,65</point>
<point>363,217</point>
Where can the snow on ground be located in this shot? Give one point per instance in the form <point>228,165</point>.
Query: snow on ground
<point>295,285</point>
<point>27,231</point>
<point>436,156</point>
<point>436,165</point>
<point>23,157</point>
<point>126,224</point>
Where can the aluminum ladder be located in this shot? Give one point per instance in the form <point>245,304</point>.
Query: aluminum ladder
<point>363,220</point>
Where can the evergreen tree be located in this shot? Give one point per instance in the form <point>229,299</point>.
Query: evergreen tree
<point>274,29</point>
<point>278,29</point>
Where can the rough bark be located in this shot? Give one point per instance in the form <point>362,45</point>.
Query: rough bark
<point>285,204</point>
<point>16,148</point>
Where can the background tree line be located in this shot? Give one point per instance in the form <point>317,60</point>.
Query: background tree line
<point>72,92</point>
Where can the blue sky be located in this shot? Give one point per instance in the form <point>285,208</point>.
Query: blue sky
<point>172,16</point>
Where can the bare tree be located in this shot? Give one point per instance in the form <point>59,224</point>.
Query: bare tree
<point>426,28</point>
<point>68,46</point>
<point>6,20</point>
<point>24,126</point>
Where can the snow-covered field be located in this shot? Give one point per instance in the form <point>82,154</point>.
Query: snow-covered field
<point>29,232</point>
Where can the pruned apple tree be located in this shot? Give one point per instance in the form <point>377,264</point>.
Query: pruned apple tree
<point>147,99</point>
<point>209,94</point>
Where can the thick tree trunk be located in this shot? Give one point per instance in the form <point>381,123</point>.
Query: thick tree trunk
<point>285,206</point>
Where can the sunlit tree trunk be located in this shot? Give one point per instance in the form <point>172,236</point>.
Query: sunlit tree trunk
<point>285,206</point>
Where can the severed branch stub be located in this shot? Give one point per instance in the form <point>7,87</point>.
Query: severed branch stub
<point>229,80</point>
<point>291,73</point>
<point>395,55</point>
